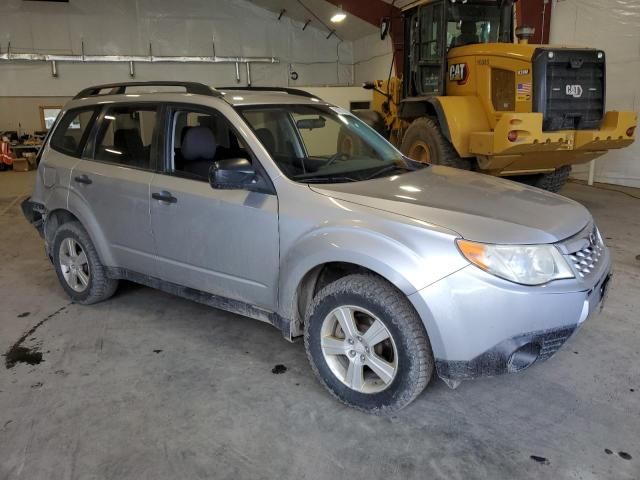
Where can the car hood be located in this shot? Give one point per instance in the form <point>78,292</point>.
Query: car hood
<point>475,206</point>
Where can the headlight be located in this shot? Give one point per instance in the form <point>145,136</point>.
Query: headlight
<point>525,264</point>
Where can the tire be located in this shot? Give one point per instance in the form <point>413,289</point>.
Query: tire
<point>98,286</point>
<point>373,119</point>
<point>552,182</point>
<point>369,299</point>
<point>351,144</point>
<point>424,142</point>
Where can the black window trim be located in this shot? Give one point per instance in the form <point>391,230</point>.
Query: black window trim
<point>85,135</point>
<point>99,126</point>
<point>169,110</point>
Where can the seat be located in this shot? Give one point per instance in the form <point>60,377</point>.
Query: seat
<point>69,143</point>
<point>467,35</point>
<point>129,142</point>
<point>198,151</point>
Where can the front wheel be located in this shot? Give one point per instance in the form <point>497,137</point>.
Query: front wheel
<point>424,142</point>
<point>367,345</point>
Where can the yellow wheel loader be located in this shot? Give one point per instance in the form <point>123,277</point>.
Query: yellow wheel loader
<point>470,97</point>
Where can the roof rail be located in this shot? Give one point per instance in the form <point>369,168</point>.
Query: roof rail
<point>290,91</point>
<point>120,88</point>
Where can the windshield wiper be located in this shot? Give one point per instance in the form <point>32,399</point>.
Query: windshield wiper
<point>327,179</point>
<point>383,170</point>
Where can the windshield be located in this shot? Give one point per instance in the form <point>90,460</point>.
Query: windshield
<point>478,22</point>
<point>318,143</point>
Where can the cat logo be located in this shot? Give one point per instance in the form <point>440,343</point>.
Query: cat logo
<point>458,72</point>
<point>574,91</point>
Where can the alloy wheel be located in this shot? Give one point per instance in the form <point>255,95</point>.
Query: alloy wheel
<point>359,349</point>
<point>74,264</point>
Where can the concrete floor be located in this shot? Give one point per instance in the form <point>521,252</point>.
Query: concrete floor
<point>149,386</point>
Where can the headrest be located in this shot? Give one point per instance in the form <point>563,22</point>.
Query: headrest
<point>129,141</point>
<point>267,139</point>
<point>199,143</point>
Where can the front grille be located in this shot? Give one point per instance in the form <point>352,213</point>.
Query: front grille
<point>585,260</point>
<point>569,88</point>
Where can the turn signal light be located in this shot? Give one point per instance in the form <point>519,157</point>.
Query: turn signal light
<point>631,131</point>
<point>512,135</point>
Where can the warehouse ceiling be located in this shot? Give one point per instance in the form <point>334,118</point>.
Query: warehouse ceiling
<point>400,3</point>
<point>319,12</point>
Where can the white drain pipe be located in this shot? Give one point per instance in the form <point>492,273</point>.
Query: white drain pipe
<point>592,172</point>
<point>9,56</point>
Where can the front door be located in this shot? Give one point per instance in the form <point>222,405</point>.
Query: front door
<point>223,242</point>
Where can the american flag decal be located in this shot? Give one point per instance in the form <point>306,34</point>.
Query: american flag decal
<point>524,89</point>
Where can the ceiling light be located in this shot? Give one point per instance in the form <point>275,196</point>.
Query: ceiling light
<point>339,16</point>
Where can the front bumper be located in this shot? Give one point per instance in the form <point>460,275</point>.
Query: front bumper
<point>480,325</point>
<point>537,151</point>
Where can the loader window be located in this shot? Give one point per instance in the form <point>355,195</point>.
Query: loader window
<point>430,34</point>
<point>430,49</point>
<point>476,22</point>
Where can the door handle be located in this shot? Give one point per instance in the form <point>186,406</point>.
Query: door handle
<point>83,179</point>
<point>164,196</point>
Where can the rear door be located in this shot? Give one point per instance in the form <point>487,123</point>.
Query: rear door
<point>112,180</point>
<point>58,158</point>
<point>223,242</point>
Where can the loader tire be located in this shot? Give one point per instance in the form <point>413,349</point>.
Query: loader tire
<point>551,182</point>
<point>425,143</point>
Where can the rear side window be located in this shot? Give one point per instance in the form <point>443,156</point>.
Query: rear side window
<point>126,136</point>
<point>72,130</point>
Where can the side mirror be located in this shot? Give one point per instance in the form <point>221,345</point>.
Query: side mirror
<point>233,173</point>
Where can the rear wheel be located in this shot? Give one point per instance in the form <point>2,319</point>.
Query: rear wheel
<point>373,119</point>
<point>367,345</point>
<point>351,144</point>
<point>78,266</point>
<point>425,143</point>
<point>551,182</point>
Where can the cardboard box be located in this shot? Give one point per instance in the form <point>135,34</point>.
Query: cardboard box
<point>21,165</point>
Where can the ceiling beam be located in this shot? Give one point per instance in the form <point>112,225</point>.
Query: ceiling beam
<point>373,11</point>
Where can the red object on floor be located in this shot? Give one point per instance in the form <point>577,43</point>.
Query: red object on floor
<point>5,153</point>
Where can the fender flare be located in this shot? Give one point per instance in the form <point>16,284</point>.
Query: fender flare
<point>343,245</point>
<point>84,215</point>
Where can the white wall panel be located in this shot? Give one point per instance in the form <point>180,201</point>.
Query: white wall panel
<point>372,58</point>
<point>173,28</point>
<point>612,26</point>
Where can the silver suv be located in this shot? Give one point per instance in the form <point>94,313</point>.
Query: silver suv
<point>276,205</point>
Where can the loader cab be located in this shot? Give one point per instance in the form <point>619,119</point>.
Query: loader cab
<point>433,28</point>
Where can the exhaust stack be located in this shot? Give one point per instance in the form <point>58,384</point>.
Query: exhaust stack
<point>524,34</point>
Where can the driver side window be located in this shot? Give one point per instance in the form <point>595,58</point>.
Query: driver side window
<point>199,139</point>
